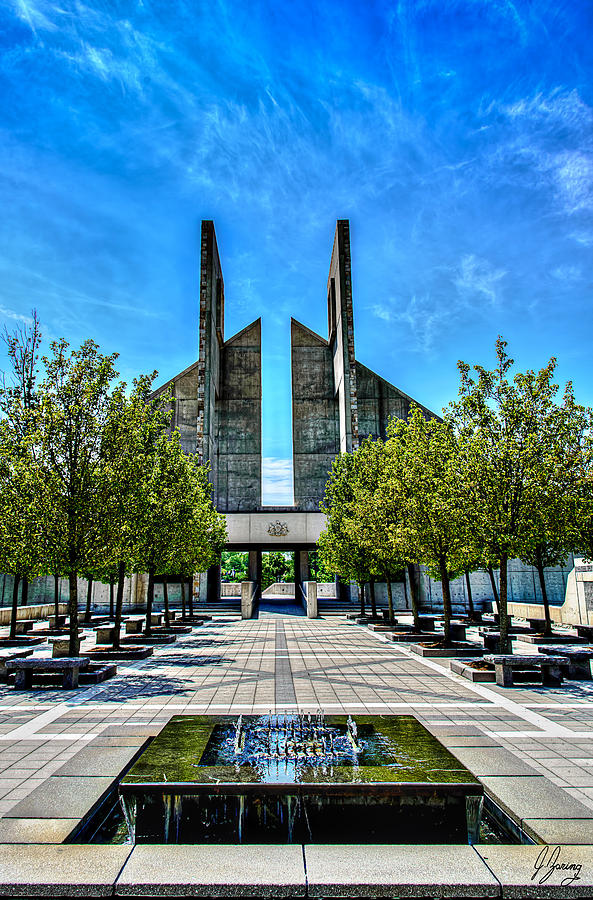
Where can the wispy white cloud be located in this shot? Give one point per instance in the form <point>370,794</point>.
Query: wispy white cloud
<point>277,485</point>
<point>478,280</point>
<point>15,316</point>
<point>567,273</point>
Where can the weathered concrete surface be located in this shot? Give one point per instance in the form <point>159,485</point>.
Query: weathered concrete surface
<point>315,415</point>
<point>384,870</point>
<point>70,870</point>
<point>238,421</point>
<point>214,870</point>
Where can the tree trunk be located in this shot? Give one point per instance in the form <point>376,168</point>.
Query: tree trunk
<point>15,605</point>
<point>470,601</point>
<point>119,602</point>
<point>493,583</point>
<point>149,599</point>
<point>361,595</point>
<point>166,603</point>
<point>190,597</point>
<point>446,601</point>
<point>89,597</point>
<point>372,596</point>
<point>414,595</point>
<point>111,608</point>
<point>542,583</point>
<point>389,600</point>
<point>73,613</point>
<point>57,598</point>
<point>505,644</point>
<point>24,591</point>
<point>182,599</point>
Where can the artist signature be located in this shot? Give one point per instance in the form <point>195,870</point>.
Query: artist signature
<point>548,862</point>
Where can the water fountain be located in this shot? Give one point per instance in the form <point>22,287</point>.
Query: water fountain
<point>285,778</point>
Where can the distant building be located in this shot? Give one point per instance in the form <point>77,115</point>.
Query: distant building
<point>336,402</point>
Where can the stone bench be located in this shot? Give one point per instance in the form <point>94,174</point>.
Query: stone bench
<point>7,657</point>
<point>550,666</point>
<point>61,646</point>
<point>426,623</point>
<point>490,639</point>
<point>457,631</point>
<point>134,624</point>
<point>578,661</point>
<point>25,669</point>
<point>24,625</point>
<point>104,634</point>
<point>156,618</point>
<point>584,631</point>
<point>56,621</point>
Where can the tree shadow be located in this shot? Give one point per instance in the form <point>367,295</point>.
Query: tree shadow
<point>187,661</point>
<point>133,686</point>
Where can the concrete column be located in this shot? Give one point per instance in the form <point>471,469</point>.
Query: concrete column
<point>310,588</point>
<point>304,568</point>
<point>254,570</point>
<point>298,580</point>
<point>213,584</point>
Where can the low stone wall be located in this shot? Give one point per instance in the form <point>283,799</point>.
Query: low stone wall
<point>32,611</point>
<point>230,589</point>
<point>523,587</point>
<point>327,589</point>
<point>279,588</point>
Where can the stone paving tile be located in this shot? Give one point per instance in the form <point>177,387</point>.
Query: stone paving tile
<point>234,666</point>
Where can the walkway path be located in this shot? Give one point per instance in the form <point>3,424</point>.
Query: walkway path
<point>285,662</point>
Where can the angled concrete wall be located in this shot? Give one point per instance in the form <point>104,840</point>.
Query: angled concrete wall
<point>315,420</point>
<point>238,443</point>
<point>341,336</point>
<point>379,402</point>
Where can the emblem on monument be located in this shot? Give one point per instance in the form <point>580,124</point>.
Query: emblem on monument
<point>277,529</point>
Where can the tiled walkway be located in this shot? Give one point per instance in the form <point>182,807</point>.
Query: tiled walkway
<point>283,662</point>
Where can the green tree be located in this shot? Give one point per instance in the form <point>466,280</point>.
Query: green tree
<point>510,447</point>
<point>74,404</point>
<point>424,469</point>
<point>374,510</point>
<point>21,543</point>
<point>556,483</point>
<point>178,530</point>
<point>18,402</point>
<point>133,428</point>
<point>276,566</point>
<point>234,566</point>
<point>340,548</point>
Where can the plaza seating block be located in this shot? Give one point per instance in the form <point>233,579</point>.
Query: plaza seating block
<point>134,624</point>
<point>26,669</point>
<point>7,656</point>
<point>156,618</point>
<point>550,666</point>
<point>104,634</point>
<point>24,625</point>
<point>585,631</point>
<point>57,621</point>
<point>578,660</point>
<point>537,625</point>
<point>457,630</point>
<point>61,646</point>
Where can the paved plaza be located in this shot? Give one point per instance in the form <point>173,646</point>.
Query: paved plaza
<point>531,746</point>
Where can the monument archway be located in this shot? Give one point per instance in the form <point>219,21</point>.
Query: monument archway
<point>336,402</point>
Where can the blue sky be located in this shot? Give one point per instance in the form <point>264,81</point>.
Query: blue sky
<point>456,136</point>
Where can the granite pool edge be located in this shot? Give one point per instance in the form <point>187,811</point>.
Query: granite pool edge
<point>315,871</point>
